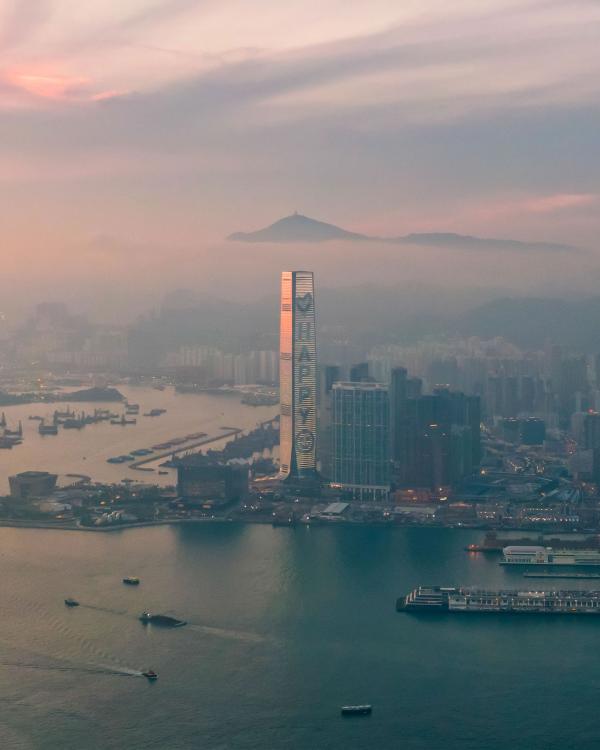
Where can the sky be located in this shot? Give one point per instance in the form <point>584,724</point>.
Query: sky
<point>136,135</point>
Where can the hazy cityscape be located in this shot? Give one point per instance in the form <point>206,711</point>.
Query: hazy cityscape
<point>299,361</point>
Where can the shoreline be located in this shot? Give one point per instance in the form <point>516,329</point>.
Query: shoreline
<point>18,524</point>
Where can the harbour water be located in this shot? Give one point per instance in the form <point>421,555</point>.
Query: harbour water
<point>85,451</point>
<point>285,625</point>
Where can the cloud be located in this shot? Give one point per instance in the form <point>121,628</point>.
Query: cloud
<point>389,117</point>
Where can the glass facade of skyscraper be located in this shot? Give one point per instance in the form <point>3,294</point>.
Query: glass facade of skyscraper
<point>298,376</point>
<point>360,430</point>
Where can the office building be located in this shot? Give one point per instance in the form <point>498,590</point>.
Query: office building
<point>360,430</point>
<point>298,376</point>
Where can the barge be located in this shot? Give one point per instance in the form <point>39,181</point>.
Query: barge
<point>439,599</point>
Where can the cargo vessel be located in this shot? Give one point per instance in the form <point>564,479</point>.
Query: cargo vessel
<point>439,599</point>
<point>546,556</point>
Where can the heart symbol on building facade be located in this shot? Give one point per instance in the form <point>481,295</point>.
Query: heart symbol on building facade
<point>304,303</point>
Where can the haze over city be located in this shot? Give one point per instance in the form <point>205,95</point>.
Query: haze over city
<point>137,136</point>
<point>299,374</point>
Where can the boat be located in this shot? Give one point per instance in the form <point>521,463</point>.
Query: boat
<point>131,581</point>
<point>364,710</point>
<point>150,675</point>
<point>155,412</point>
<point>123,421</point>
<point>132,408</point>
<point>163,620</point>
<point>466,600</point>
<point>163,472</point>
<point>71,602</point>
<point>33,416</point>
<point>73,423</point>
<point>535,555</point>
<point>47,429</point>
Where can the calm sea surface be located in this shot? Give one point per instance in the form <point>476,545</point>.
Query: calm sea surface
<point>285,625</point>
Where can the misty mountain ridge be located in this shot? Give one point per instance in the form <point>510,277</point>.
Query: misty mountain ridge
<point>300,228</point>
<point>297,228</point>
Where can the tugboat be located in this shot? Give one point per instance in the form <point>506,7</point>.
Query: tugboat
<point>131,581</point>
<point>71,602</point>
<point>150,675</point>
<point>364,710</point>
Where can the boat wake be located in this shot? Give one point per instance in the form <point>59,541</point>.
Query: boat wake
<point>107,670</point>
<point>236,635</point>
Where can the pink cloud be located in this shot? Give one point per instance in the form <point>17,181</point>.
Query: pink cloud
<point>47,84</point>
<point>558,202</point>
<point>538,204</point>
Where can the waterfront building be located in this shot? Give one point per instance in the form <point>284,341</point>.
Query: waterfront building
<point>360,428</point>
<point>204,481</point>
<point>298,376</point>
<point>435,438</point>
<point>32,484</point>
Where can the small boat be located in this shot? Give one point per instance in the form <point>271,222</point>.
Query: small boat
<point>150,675</point>
<point>163,472</point>
<point>71,602</point>
<point>131,581</point>
<point>163,620</point>
<point>364,710</point>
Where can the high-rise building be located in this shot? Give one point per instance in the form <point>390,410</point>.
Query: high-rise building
<point>298,376</point>
<point>328,375</point>
<point>361,458</point>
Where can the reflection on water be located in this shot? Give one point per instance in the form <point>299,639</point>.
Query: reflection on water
<point>285,625</point>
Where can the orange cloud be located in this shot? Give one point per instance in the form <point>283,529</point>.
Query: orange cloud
<point>49,86</point>
<point>57,86</point>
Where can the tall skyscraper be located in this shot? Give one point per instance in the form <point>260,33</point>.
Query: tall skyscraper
<point>298,376</point>
<point>361,461</point>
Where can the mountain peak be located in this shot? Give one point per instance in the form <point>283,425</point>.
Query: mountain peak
<point>297,228</point>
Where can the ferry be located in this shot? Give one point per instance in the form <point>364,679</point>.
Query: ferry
<point>364,710</point>
<point>438,599</point>
<point>546,556</point>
